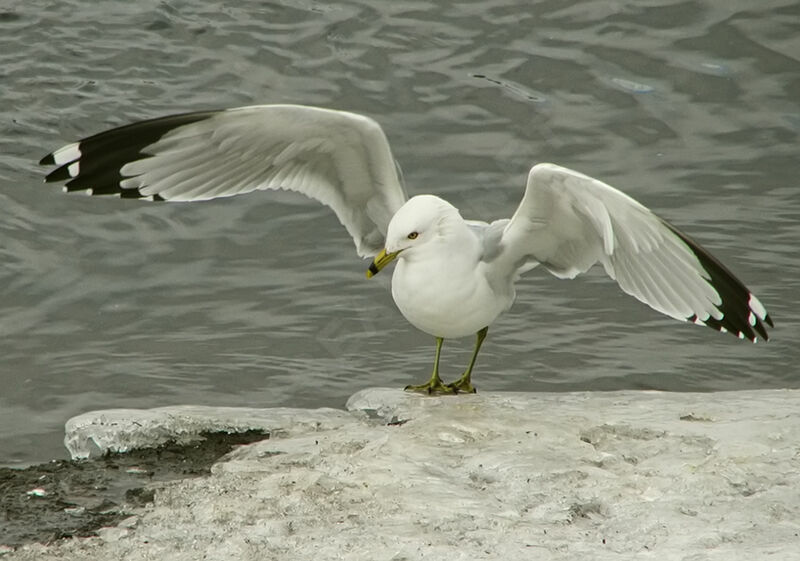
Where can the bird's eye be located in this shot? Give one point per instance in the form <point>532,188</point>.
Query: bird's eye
<point>413,236</point>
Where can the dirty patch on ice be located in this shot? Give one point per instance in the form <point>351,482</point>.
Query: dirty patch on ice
<point>75,498</point>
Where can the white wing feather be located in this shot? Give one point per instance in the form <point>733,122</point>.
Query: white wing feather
<point>568,221</point>
<point>340,159</point>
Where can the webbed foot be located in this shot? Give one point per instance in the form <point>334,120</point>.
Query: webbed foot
<point>462,385</point>
<point>433,387</point>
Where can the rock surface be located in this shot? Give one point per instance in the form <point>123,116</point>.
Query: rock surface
<point>488,476</point>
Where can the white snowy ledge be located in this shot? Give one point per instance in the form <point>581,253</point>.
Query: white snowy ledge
<point>490,476</point>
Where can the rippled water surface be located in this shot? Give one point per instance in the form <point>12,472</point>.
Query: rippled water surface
<point>691,107</point>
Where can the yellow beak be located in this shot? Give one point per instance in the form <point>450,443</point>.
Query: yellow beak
<point>380,261</point>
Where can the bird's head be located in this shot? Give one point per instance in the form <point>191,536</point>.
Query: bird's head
<point>419,223</point>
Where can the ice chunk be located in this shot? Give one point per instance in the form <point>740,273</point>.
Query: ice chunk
<point>121,430</point>
<point>487,476</point>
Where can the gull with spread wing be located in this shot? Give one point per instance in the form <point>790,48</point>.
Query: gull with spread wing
<point>453,277</point>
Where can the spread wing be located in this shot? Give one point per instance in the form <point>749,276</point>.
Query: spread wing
<point>340,159</point>
<point>568,221</point>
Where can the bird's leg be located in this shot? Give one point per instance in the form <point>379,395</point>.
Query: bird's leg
<point>435,384</point>
<point>464,383</point>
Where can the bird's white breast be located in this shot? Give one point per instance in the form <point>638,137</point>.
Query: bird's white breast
<point>446,297</point>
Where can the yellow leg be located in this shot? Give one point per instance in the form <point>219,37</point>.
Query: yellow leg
<point>435,384</point>
<point>464,384</point>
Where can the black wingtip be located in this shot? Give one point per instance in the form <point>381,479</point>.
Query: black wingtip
<point>762,330</point>
<point>94,164</point>
<point>742,313</point>
<point>58,174</point>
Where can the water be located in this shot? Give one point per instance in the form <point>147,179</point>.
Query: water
<point>260,301</point>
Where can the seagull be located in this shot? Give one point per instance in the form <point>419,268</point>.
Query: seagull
<point>453,277</point>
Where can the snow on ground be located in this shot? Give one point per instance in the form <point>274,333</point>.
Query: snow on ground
<point>489,476</point>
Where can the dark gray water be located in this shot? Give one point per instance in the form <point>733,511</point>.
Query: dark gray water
<point>691,107</point>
